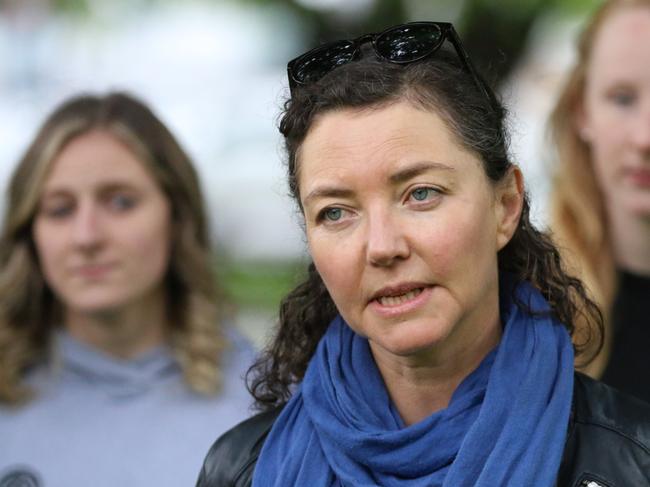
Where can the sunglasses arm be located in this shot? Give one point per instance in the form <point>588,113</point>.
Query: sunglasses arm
<point>452,35</point>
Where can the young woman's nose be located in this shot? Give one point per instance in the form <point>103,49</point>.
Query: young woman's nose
<point>386,240</point>
<point>86,226</point>
<point>640,132</point>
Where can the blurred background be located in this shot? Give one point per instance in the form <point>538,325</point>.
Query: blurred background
<point>215,72</point>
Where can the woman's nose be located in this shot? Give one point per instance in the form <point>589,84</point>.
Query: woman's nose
<point>87,227</point>
<point>387,242</point>
<point>640,132</point>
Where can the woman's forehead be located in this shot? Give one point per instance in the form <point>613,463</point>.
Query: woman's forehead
<point>96,158</point>
<point>387,132</point>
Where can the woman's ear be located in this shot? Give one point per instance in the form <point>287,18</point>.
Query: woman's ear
<point>509,203</point>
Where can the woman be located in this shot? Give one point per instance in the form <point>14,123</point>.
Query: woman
<point>430,344</point>
<point>115,364</point>
<point>601,197</point>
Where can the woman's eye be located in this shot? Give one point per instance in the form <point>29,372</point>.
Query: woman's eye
<point>623,98</point>
<point>423,194</point>
<point>332,214</point>
<point>121,202</point>
<point>57,212</point>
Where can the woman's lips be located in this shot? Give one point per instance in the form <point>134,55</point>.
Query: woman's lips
<point>394,305</point>
<point>93,271</point>
<point>639,177</point>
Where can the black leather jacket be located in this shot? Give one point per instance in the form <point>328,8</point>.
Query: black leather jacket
<point>608,443</point>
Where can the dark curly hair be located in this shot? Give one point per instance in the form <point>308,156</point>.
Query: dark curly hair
<point>439,84</point>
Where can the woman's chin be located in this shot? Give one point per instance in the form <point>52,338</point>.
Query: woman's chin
<point>411,339</point>
<point>96,305</point>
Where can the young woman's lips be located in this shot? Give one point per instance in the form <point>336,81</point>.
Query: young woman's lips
<point>398,304</point>
<point>93,271</point>
<point>641,178</point>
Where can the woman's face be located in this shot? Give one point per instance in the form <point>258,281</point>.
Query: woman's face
<point>615,118</point>
<point>404,227</point>
<point>102,228</point>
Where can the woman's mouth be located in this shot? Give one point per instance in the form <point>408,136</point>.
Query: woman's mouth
<point>399,299</point>
<point>639,177</point>
<point>93,271</point>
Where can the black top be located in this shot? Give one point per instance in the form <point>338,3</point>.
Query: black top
<point>608,443</point>
<point>629,366</point>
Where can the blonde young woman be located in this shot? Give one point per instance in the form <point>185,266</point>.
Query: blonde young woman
<point>115,366</point>
<point>601,200</point>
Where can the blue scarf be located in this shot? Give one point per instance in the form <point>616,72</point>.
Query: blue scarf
<point>505,425</point>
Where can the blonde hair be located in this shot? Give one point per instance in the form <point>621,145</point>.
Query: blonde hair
<point>578,216</point>
<point>28,309</point>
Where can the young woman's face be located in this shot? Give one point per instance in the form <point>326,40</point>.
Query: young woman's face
<point>615,118</point>
<point>403,226</point>
<point>102,228</point>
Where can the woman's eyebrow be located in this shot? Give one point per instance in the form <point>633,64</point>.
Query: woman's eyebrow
<point>418,168</point>
<point>328,192</point>
<point>116,186</point>
<point>49,193</point>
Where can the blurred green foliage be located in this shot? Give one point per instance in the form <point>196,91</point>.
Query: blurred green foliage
<point>74,6</point>
<point>259,285</point>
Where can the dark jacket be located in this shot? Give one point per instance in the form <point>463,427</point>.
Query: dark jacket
<point>608,443</point>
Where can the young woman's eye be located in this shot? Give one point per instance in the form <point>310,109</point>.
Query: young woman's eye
<point>424,193</point>
<point>623,98</point>
<point>121,202</point>
<point>57,211</point>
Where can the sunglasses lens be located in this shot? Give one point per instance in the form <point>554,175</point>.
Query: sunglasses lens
<point>315,64</point>
<point>409,42</point>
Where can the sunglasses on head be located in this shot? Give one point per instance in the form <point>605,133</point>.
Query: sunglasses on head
<point>401,44</point>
